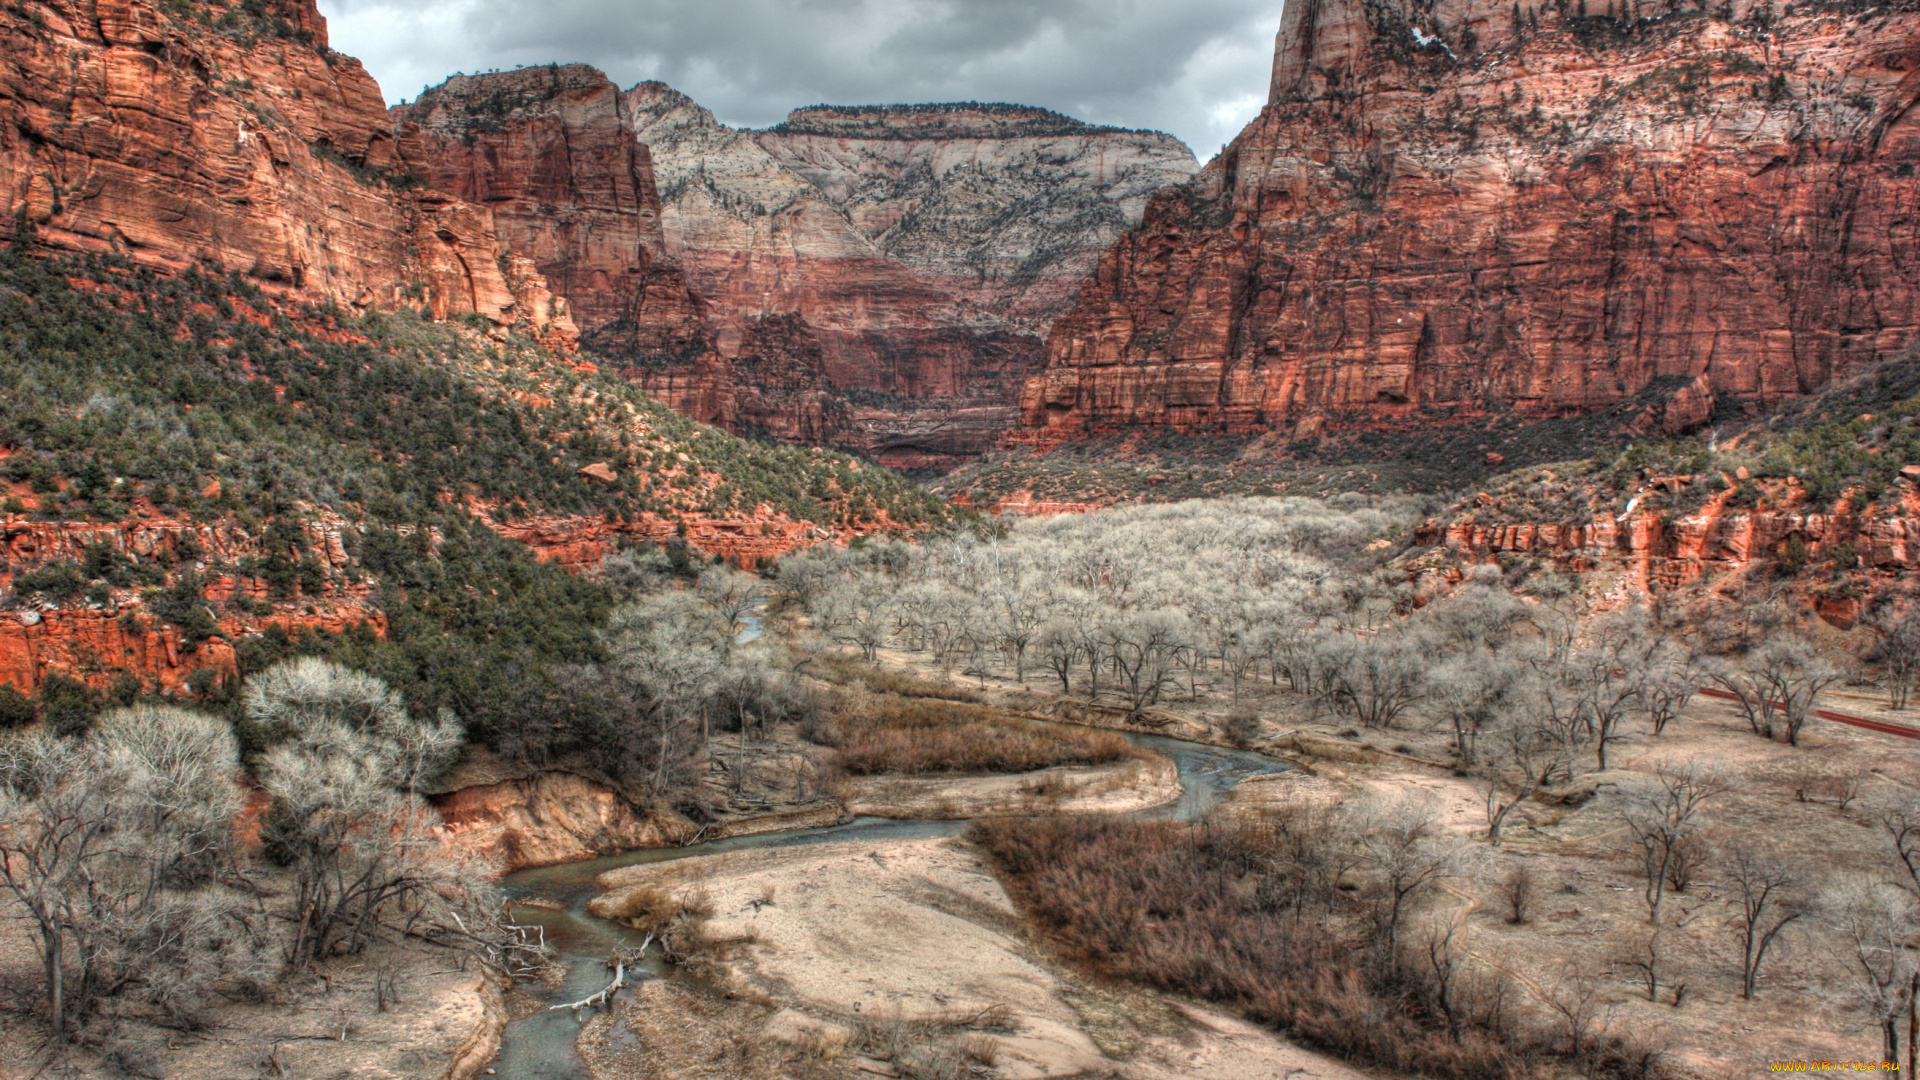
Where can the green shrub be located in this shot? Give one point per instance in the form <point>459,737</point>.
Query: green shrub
<point>15,708</point>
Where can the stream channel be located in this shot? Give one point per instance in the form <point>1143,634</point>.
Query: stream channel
<point>541,1046</point>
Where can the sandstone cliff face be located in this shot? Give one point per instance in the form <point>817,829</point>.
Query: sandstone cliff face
<point>549,152</point>
<point>1461,209</point>
<point>912,257</point>
<point>213,131</point>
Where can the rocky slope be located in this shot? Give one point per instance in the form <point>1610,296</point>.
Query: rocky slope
<point>1820,500</point>
<point>883,275</point>
<point>1468,213</point>
<point>230,132</point>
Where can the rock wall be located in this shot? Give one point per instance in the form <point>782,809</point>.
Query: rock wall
<point>1837,555</point>
<point>205,130</point>
<point>1455,211</point>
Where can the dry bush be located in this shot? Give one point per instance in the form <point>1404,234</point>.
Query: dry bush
<point>829,1043</point>
<point>1177,907</point>
<point>1517,892</point>
<point>1050,786</point>
<point>649,909</point>
<point>877,734</point>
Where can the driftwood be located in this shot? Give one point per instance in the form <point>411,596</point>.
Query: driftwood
<point>605,996</point>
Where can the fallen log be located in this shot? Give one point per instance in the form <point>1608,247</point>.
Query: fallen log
<point>605,996</point>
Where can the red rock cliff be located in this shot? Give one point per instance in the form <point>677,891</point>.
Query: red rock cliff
<point>207,130</point>
<point>1469,207</point>
<point>548,150</point>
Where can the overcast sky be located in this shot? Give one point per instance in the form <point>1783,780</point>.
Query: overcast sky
<point>1196,68</point>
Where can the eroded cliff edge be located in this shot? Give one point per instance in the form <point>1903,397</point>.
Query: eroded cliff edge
<point>1470,212</point>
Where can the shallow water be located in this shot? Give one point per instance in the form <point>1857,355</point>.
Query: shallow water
<point>541,1046</point>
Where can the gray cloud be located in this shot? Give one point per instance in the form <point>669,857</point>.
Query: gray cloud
<point>1195,68</point>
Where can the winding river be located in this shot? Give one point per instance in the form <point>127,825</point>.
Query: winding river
<point>541,1046</point>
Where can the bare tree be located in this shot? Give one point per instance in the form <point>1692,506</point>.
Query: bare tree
<point>1535,742</point>
<point>1899,815</point>
<point>1374,678</point>
<point>1058,646</point>
<point>1397,844</point>
<point>1898,648</point>
<point>1573,998</point>
<point>1017,618</point>
<point>1766,895</point>
<point>1473,692</point>
<point>1875,922</point>
<point>664,654</point>
<point>858,612</point>
<point>1612,675</point>
<point>1671,684</point>
<point>110,847</point>
<point>1778,686</point>
<point>1664,819</point>
<point>1144,648</point>
<point>732,594</point>
<point>344,764</point>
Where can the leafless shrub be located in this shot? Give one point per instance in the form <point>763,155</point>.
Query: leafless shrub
<point>1517,894</point>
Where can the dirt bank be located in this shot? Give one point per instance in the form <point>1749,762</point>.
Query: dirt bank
<point>1121,788</point>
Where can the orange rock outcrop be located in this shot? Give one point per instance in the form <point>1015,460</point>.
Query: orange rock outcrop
<point>1459,211</point>
<point>95,640</point>
<point>1712,545</point>
<point>548,818</point>
<point>549,152</point>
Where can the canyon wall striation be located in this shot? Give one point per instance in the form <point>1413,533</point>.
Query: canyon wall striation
<point>1466,211</point>
<point>176,133</point>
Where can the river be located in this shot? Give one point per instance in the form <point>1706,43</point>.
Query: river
<point>541,1046</point>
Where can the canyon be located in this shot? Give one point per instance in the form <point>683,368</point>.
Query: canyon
<point>1467,213</point>
<point>873,278</point>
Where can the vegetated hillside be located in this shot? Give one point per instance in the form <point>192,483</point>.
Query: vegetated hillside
<point>195,469</point>
<point>1480,216</point>
<point>1823,497</point>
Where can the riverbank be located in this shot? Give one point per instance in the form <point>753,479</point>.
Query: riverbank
<point>877,957</point>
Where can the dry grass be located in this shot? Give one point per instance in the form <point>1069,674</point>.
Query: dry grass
<point>1176,907</point>
<point>888,734</point>
<point>899,682</point>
